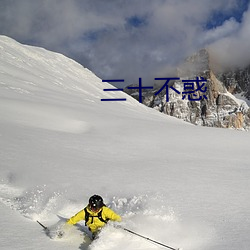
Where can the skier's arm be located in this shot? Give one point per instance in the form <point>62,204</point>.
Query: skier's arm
<point>110,214</point>
<point>77,217</point>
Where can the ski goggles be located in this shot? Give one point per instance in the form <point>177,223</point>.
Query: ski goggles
<point>94,208</point>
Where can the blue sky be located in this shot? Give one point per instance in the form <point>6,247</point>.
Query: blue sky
<point>128,39</point>
<point>218,17</point>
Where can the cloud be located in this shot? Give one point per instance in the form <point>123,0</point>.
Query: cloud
<point>123,39</point>
<point>228,28</point>
<point>232,50</point>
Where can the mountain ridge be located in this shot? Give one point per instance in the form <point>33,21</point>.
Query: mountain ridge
<point>219,108</point>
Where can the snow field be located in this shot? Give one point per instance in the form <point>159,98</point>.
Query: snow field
<point>181,185</point>
<point>146,215</point>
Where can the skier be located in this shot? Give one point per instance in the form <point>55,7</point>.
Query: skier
<point>95,214</point>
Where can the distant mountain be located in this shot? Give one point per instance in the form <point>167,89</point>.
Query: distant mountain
<point>237,81</point>
<point>224,102</point>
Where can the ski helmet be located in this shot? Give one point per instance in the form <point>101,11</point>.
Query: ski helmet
<point>95,202</point>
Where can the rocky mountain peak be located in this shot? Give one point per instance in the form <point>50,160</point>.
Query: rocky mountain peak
<point>198,63</point>
<point>217,106</point>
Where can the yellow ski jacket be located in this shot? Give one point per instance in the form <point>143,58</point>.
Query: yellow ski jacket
<point>94,223</point>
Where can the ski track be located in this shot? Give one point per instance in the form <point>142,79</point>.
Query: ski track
<point>145,214</point>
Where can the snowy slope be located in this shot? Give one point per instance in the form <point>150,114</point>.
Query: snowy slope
<point>179,184</point>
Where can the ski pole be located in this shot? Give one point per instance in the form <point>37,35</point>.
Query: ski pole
<point>45,228</point>
<point>146,238</point>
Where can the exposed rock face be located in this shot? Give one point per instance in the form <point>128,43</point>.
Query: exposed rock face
<point>216,107</point>
<point>237,81</point>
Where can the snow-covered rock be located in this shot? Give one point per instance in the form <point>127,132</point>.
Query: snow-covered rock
<point>219,109</point>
